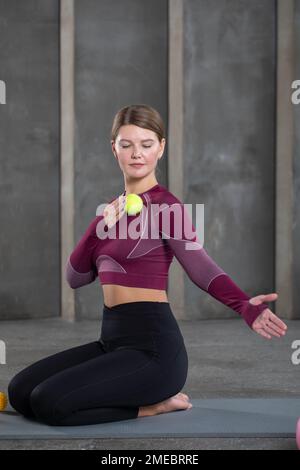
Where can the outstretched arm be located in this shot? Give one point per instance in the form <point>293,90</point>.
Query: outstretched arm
<point>204,272</point>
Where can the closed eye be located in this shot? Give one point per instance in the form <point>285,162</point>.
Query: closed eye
<point>145,146</point>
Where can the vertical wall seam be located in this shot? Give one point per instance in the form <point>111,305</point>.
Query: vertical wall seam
<point>67,151</point>
<point>284,158</point>
<point>175,134</point>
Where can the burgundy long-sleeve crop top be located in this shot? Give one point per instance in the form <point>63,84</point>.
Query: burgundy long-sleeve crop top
<point>138,250</point>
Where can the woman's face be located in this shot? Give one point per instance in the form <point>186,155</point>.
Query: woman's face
<point>137,145</point>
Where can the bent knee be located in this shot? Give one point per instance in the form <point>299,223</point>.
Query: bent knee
<point>43,406</point>
<point>13,388</point>
<point>18,395</point>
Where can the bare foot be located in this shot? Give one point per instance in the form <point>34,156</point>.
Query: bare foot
<point>177,402</point>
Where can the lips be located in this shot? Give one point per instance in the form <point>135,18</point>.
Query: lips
<point>137,165</point>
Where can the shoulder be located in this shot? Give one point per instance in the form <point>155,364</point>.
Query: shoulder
<point>164,196</point>
<point>169,209</point>
<point>173,214</point>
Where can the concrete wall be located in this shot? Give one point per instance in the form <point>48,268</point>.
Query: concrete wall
<point>296,170</point>
<point>229,134</point>
<point>120,59</point>
<point>29,160</point>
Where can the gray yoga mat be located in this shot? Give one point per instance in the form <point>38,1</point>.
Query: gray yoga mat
<point>217,417</point>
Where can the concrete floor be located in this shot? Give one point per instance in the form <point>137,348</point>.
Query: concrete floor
<point>226,359</point>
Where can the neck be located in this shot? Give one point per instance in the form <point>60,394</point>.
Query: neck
<point>139,186</point>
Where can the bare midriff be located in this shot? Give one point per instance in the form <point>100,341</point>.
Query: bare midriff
<point>115,294</point>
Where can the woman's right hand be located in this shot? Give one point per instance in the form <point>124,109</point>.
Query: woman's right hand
<point>114,211</point>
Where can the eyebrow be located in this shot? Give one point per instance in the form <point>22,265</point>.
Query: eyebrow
<point>144,140</point>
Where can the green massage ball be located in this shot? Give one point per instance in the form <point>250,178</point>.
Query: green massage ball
<point>134,204</point>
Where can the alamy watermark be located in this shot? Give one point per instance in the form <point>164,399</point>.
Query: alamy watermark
<point>2,92</point>
<point>2,352</point>
<point>296,354</point>
<point>295,357</point>
<point>165,221</point>
<point>295,97</point>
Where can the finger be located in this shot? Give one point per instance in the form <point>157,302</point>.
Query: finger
<point>114,207</point>
<point>109,208</point>
<point>277,328</point>
<point>278,322</point>
<point>257,300</point>
<point>114,204</point>
<point>120,214</point>
<point>115,210</point>
<point>120,205</point>
<point>112,214</point>
<point>270,297</point>
<point>121,200</point>
<point>270,330</point>
<point>263,333</point>
<point>268,321</point>
<point>112,210</point>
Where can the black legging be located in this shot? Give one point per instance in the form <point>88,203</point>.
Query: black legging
<point>140,359</point>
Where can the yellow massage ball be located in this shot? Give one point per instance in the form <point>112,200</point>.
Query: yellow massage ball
<point>134,204</point>
<point>3,401</point>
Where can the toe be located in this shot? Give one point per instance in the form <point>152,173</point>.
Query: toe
<point>183,395</point>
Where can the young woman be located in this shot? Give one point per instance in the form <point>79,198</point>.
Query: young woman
<point>139,364</point>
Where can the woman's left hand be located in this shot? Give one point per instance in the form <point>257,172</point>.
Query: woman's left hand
<point>267,323</point>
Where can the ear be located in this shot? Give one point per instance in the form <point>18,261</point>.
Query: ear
<point>113,147</point>
<point>162,146</point>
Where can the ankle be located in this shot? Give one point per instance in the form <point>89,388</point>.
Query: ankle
<point>149,410</point>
